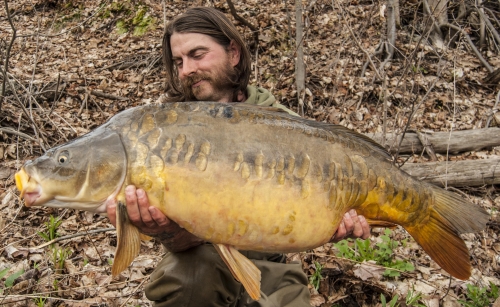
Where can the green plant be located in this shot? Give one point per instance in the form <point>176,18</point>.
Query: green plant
<point>68,13</point>
<point>392,303</point>
<point>413,298</point>
<point>59,256</point>
<point>315,278</point>
<point>480,296</point>
<point>142,21</point>
<point>40,301</point>
<point>9,281</point>
<point>417,69</point>
<point>382,253</point>
<point>133,17</point>
<point>51,231</point>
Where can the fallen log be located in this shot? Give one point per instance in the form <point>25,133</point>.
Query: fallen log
<point>441,142</point>
<point>457,173</point>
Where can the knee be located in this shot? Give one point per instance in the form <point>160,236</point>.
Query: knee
<point>193,278</point>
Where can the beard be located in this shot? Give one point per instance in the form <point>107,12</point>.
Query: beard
<point>222,81</point>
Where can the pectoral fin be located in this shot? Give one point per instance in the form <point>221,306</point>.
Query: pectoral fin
<point>242,269</point>
<point>128,241</point>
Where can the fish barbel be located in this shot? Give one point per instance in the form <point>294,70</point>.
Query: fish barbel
<point>249,178</point>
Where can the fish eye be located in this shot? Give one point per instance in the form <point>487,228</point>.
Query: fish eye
<point>63,157</point>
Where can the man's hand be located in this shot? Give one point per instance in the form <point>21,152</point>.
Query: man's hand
<point>352,226</point>
<point>152,222</point>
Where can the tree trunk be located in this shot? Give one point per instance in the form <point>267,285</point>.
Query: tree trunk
<point>457,173</point>
<point>436,11</point>
<point>460,141</point>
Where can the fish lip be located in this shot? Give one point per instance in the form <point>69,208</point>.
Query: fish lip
<point>30,188</point>
<point>30,198</point>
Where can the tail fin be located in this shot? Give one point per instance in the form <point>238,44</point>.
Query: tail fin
<point>462,215</point>
<point>439,235</point>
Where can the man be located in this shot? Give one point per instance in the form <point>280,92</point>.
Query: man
<point>206,60</point>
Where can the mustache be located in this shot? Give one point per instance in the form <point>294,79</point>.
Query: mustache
<point>189,81</point>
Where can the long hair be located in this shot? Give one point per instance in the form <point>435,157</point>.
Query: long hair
<point>211,22</point>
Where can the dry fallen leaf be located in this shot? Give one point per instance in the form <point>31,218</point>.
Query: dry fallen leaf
<point>316,300</point>
<point>366,271</point>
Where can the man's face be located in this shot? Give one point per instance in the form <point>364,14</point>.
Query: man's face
<point>206,69</point>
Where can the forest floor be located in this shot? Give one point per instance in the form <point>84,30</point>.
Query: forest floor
<point>89,52</point>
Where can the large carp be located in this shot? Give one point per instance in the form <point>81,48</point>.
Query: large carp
<point>248,178</point>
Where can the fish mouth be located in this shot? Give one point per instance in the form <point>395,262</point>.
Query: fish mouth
<point>30,189</point>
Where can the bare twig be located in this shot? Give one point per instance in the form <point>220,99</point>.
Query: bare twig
<point>15,132</point>
<point>84,103</point>
<point>478,54</point>
<point>101,7</point>
<point>55,96</point>
<point>7,53</point>
<point>33,100</point>
<point>391,34</point>
<point>164,14</point>
<point>495,108</point>
<point>289,18</point>
<point>488,23</point>
<point>108,96</point>
<point>378,50</point>
<point>254,29</point>
<point>430,13</point>
<point>365,52</point>
<point>384,108</point>
<point>25,112</point>
<point>80,234</point>
<point>493,16</point>
<point>133,292</point>
<point>415,110</point>
<point>300,69</point>
<point>482,25</point>
<point>427,145</point>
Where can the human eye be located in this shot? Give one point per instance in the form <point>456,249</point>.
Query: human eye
<point>178,63</point>
<point>199,55</point>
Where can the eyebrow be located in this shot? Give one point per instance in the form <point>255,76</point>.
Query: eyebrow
<point>193,51</point>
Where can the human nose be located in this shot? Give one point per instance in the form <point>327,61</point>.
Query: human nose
<point>188,68</point>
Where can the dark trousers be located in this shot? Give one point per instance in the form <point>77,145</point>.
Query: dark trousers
<point>198,277</point>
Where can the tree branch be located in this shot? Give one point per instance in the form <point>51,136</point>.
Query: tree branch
<point>79,234</point>
<point>478,54</point>
<point>488,23</point>
<point>299,62</point>
<point>7,53</point>
<point>254,29</point>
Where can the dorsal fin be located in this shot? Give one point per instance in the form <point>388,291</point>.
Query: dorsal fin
<point>337,130</point>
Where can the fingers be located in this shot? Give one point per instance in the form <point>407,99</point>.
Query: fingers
<point>365,226</point>
<point>352,226</point>
<point>356,230</point>
<point>111,211</point>
<point>147,218</point>
<point>340,233</point>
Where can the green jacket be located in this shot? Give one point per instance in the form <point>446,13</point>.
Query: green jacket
<point>263,97</point>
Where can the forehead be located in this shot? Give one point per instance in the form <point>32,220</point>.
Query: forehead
<point>183,43</point>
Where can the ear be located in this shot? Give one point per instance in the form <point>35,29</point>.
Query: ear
<point>234,53</point>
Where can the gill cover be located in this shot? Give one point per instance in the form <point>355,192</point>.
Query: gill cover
<point>81,174</point>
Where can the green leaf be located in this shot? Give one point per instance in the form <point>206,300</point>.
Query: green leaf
<point>10,280</point>
<point>3,272</point>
